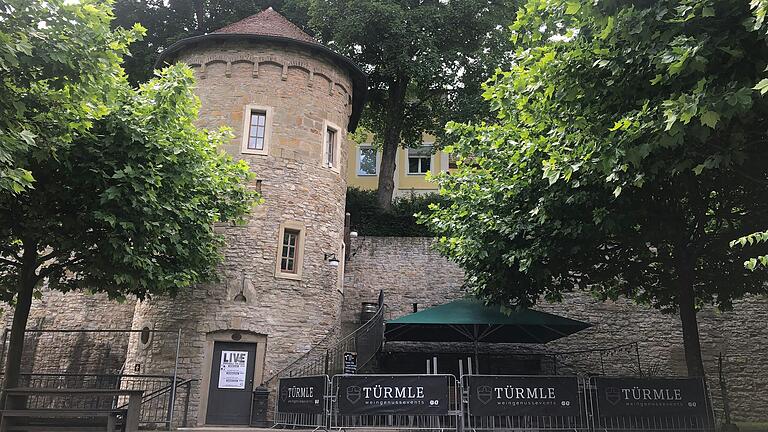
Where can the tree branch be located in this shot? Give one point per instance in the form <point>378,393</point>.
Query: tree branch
<point>10,262</point>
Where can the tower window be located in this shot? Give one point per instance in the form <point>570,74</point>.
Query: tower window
<point>331,146</point>
<point>290,250</point>
<point>288,254</point>
<point>257,129</point>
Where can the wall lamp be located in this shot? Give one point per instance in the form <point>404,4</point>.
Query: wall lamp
<point>332,260</point>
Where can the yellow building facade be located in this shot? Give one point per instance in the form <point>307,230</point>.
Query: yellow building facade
<point>411,167</point>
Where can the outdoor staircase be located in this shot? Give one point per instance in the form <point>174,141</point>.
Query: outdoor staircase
<point>327,357</point>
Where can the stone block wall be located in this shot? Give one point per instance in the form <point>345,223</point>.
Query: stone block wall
<point>75,352</point>
<point>410,271</point>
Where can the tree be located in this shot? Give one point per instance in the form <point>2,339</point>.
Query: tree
<point>425,61</point>
<point>171,21</point>
<point>54,59</point>
<point>127,206</point>
<point>630,150</point>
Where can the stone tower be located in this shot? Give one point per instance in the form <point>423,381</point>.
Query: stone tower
<point>290,102</point>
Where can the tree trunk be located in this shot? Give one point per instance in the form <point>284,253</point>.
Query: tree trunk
<point>27,282</point>
<point>200,16</point>
<point>687,304</point>
<point>393,126</point>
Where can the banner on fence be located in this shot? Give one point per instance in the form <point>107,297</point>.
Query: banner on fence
<point>392,394</point>
<point>305,395</point>
<point>496,395</point>
<point>651,397</point>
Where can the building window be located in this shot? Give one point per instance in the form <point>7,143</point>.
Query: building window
<point>290,250</point>
<point>288,254</point>
<point>419,160</point>
<point>256,134</point>
<point>257,129</point>
<point>331,146</point>
<point>367,161</point>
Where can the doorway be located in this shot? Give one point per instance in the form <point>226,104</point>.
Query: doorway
<point>231,383</point>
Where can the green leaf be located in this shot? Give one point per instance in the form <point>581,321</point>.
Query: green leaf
<point>572,7</point>
<point>762,86</point>
<point>607,29</point>
<point>710,118</point>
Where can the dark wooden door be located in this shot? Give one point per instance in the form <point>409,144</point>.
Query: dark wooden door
<point>231,386</point>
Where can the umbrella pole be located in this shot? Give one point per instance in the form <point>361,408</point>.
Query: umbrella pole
<point>477,363</point>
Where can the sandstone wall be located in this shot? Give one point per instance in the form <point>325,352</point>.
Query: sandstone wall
<point>410,271</point>
<point>75,352</point>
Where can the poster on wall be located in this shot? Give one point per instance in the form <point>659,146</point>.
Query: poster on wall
<point>305,395</point>
<point>523,395</point>
<point>233,370</point>
<point>392,394</point>
<point>651,397</point>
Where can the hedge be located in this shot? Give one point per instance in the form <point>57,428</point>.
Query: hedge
<point>370,220</point>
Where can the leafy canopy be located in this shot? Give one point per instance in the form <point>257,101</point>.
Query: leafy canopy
<point>629,151</point>
<point>55,61</point>
<point>127,207</point>
<point>425,62</point>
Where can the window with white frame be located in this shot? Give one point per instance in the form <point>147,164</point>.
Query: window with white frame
<point>419,159</point>
<point>331,137</point>
<point>331,146</point>
<point>367,161</point>
<point>290,250</point>
<point>256,130</point>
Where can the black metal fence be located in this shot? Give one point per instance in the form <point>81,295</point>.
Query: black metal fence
<point>496,403</point>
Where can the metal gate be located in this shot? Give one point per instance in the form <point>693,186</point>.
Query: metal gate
<point>536,407</point>
<point>441,408</point>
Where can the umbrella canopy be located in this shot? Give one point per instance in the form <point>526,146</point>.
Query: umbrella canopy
<point>468,320</point>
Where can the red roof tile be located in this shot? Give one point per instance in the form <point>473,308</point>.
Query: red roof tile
<point>268,23</point>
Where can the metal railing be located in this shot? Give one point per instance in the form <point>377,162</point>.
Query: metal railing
<point>156,405</point>
<point>327,358</point>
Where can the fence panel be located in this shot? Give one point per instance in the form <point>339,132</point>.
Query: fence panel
<point>395,402</point>
<point>520,402</point>
<point>303,401</point>
<point>650,404</point>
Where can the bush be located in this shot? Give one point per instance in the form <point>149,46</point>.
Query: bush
<point>370,220</point>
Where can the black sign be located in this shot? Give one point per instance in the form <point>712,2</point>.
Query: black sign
<point>304,395</point>
<point>392,394</point>
<point>350,362</point>
<point>523,396</point>
<point>651,397</point>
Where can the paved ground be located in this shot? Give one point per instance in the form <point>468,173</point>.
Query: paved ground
<point>237,429</point>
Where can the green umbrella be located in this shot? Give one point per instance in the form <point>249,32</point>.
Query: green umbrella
<point>469,320</point>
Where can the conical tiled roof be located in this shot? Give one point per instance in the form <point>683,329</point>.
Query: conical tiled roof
<point>267,23</point>
<point>270,26</point>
